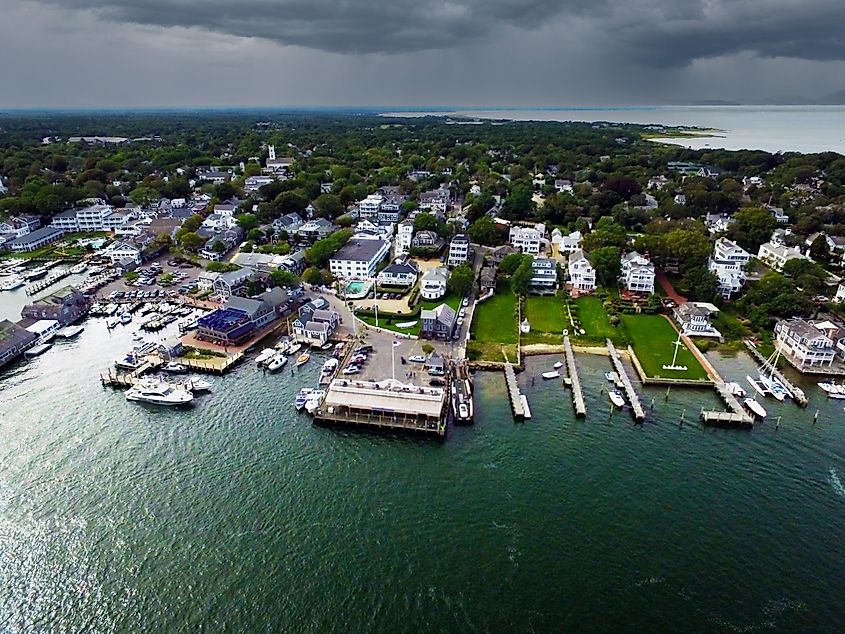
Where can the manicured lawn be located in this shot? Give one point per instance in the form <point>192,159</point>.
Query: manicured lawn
<point>389,322</point>
<point>495,319</point>
<point>546,314</point>
<point>594,319</point>
<point>652,338</point>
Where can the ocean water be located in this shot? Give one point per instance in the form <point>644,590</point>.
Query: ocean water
<point>239,515</point>
<point>770,128</point>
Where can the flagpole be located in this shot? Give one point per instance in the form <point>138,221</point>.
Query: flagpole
<point>393,359</point>
<point>375,301</point>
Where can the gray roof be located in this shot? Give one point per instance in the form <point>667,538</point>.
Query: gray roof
<point>38,234</point>
<point>359,250</point>
<point>249,306</point>
<point>398,269</point>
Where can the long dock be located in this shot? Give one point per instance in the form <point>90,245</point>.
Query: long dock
<point>796,392</point>
<point>737,417</point>
<point>633,397</point>
<point>48,281</point>
<point>514,393</point>
<point>572,372</point>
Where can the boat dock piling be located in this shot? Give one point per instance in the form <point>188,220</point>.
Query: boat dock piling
<point>737,417</point>
<point>633,397</point>
<point>575,381</point>
<point>796,392</point>
<point>514,394</point>
<point>32,289</point>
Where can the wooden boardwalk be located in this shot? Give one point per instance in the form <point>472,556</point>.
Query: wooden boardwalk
<point>737,417</point>
<point>572,371</point>
<point>633,397</point>
<point>513,393</point>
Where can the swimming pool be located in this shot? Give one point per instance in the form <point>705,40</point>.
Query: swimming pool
<point>357,289</point>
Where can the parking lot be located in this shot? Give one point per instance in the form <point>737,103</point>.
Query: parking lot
<point>160,276</point>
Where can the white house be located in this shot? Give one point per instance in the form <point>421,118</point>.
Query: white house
<point>582,275</point>
<point>206,279</point>
<point>370,206</point>
<point>805,344</point>
<point>776,255</point>
<point>694,320</point>
<point>435,201</point>
<point>543,275</point>
<point>458,250</point>
<point>120,252</point>
<point>527,239</point>
<point>402,275</point>
<point>404,236</point>
<point>562,185</point>
<point>434,283</point>
<point>358,259</point>
<point>728,264</point>
<point>657,182</point>
<point>570,243</point>
<point>637,273</point>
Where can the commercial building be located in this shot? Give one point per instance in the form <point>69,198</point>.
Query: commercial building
<point>358,259</point>
<point>35,240</point>
<point>14,341</point>
<point>65,305</point>
<point>241,317</point>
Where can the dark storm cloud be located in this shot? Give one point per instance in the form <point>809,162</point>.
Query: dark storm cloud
<point>652,32</point>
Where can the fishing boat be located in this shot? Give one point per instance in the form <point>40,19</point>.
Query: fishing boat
<point>265,355</point>
<point>277,362</point>
<point>302,359</point>
<point>12,284</point>
<point>558,365</point>
<point>301,398</point>
<point>313,400</point>
<point>554,374</point>
<point>196,385</point>
<point>616,398</point>
<point>157,392</point>
<point>755,407</point>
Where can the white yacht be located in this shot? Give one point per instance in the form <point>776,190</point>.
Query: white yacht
<point>302,398</point>
<point>313,400</point>
<point>12,284</point>
<point>158,392</point>
<point>196,385</point>
<point>616,398</point>
<point>277,362</point>
<point>758,410</point>
<point>265,355</point>
<point>175,368</point>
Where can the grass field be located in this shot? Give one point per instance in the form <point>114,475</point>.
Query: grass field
<point>594,318</point>
<point>652,338</point>
<point>494,320</point>
<point>546,314</point>
<point>389,323</point>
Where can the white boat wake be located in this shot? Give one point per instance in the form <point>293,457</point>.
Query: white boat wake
<point>836,483</point>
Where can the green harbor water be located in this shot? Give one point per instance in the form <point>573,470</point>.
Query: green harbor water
<point>239,515</point>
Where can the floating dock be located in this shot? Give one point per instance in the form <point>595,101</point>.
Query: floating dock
<point>514,394</point>
<point>737,417</point>
<point>633,397</point>
<point>461,390</point>
<point>796,392</point>
<point>574,380</point>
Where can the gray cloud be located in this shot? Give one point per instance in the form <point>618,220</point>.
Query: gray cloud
<point>658,33</point>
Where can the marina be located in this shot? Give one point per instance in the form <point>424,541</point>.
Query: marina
<point>517,401</point>
<point>575,381</point>
<point>736,417</point>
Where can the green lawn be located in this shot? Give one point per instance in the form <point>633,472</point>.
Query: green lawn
<point>546,313</point>
<point>389,322</point>
<point>594,319</point>
<point>652,338</point>
<point>495,318</point>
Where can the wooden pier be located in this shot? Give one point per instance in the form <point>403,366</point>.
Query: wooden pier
<point>575,381</point>
<point>39,286</point>
<point>514,394</point>
<point>128,379</point>
<point>737,417</point>
<point>633,397</point>
<point>796,392</point>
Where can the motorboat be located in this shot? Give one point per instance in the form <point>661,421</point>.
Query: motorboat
<point>265,355</point>
<point>79,268</point>
<point>197,385</point>
<point>327,346</point>
<point>125,317</point>
<point>12,284</point>
<point>755,407</point>
<point>174,368</point>
<point>277,362</point>
<point>35,274</point>
<point>69,331</point>
<point>302,359</point>
<point>736,389</point>
<point>758,386</point>
<point>551,375</point>
<point>330,365</point>
<point>827,386</point>
<point>558,365</point>
<point>301,398</point>
<point>40,349</point>
<point>131,361</point>
<point>616,398</point>
<point>293,348</point>
<point>313,401</point>
<point>610,376</point>
<point>158,392</point>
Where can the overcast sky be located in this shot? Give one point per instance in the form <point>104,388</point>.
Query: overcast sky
<point>149,53</point>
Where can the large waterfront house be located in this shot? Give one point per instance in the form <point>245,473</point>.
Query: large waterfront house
<point>728,264</point>
<point>434,283</point>
<point>582,275</point>
<point>804,344</point>
<point>776,255</point>
<point>358,259</point>
<point>567,244</point>
<point>437,323</point>
<point>34,240</point>
<point>64,305</point>
<point>694,320</point>
<point>543,276</point>
<point>400,275</point>
<point>232,282</point>
<point>637,273</point>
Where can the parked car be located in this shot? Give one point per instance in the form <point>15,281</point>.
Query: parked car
<point>465,302</point>
<point>417,358</point>
<point>352,369</point>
